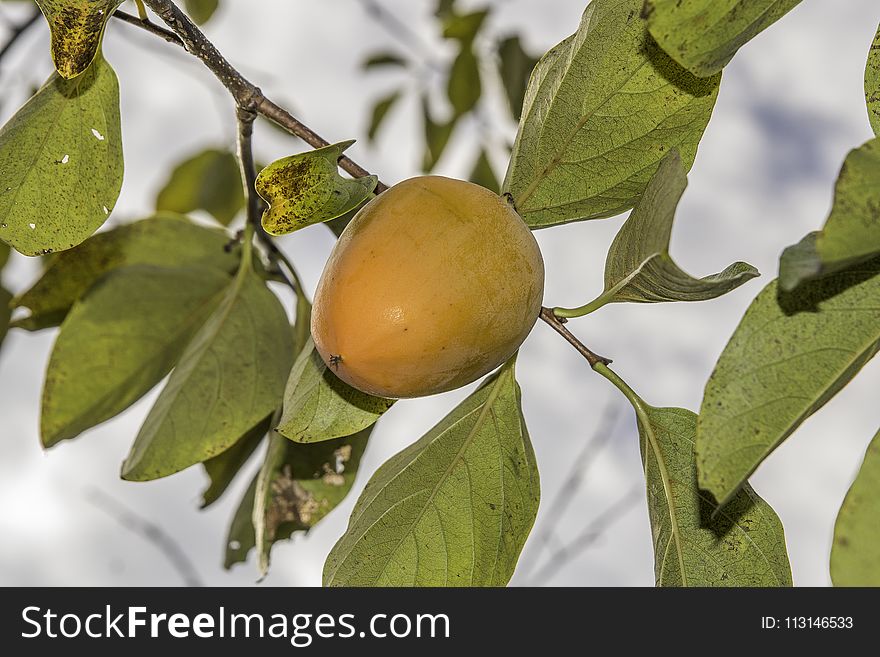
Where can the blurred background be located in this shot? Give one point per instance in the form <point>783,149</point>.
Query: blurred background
<point>791,106</point>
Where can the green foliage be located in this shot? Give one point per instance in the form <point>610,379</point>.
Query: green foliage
<point>383,59</point>
<point>855,554</point>
<point>229,378</point>
<point>436,137</point>
<point>453,508</point>
<point>464,87</point>
<point>307,189</point>
<point>120,340</point>
<point>515,67</point>
<point>241,538</point>
<point>380,112</point>
<point>201,11</point>
<point>791,353</point>
<point>464,27</point>
<point>852,231</point>
<point>872,84</point>
<point>77,27</point>
<point>319,406</point>
<point>299,485</point>
<point>61,157</point>
<point>695,542</point>
<point>221,469</point>
<point>703,35</point>
<point>4,254</point>
<point>602,109</point>
<point>5,312</point>
<point>165,240</point>
<point>209,181</point>
<point>638,267</point>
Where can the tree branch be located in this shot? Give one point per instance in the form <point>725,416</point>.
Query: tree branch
<point>247,95</point>
<point>558,325</point>
<point>17,31</point>
<point>149,26</point>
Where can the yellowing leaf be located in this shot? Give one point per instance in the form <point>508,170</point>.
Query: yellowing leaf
<point>77,28</point>
<point>61,158</point>
<point>307,189</point>
<point>872,84</point>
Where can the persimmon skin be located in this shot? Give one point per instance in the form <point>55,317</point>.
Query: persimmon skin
<point>433,284</point>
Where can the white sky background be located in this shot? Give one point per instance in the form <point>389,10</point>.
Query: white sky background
<point>791,106</point>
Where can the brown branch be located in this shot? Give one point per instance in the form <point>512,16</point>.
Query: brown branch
<point>17,31</point>
<point>558,325</point>
<point>246,120</point>
<point>149,26</point>
<point>247,95</point>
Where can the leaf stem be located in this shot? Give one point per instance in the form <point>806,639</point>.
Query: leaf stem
<point>247,95</point>
<point>558,325</point>
<point>586,309</point>
<point>637,402</point>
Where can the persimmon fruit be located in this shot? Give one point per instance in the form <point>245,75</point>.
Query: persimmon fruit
<point>433,284</point>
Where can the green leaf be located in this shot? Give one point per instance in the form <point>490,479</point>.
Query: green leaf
<point>230,377</point>
<point>791,353</point>
<point>165,240</point>
<point>380,112</point>
<point>436,137</point>
<point>119,341</point>
<point>61,157</point>
<point>221,470</point>
<point>602,109</point>
<point>483,174</point>
<point>4,254</point>
<point>241,538</point>
<point>703,35</point>
<point>855,554</point>
<point>872,84</point>
<point>383,59</point>
<point>464,87</point>
<point>319,406</point>
<point>307,189</point>
<point>299,485</point>
<point>77,28</point>
<point>515,66</point>
<point>201,11</point>
<point>638,267</point>
<point>464,27</point>
<point>852,231</point>
<point>209,181</point>
<point>5,312</point>
<point>695,542</point>
<point>453,508</point>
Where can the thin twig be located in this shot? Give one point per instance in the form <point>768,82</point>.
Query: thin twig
<point>149,26</point>
<point>148,531</point>
<point>567,492</point>
<point>246,120</point>
<point>247,95</point>
<point>590,534</point>
<point>558,325</point>
<point>17,31</point>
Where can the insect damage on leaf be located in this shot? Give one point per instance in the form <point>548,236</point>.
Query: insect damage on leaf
<point>77,28</point>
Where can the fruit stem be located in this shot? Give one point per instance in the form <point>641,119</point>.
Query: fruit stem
<point>558,325</point>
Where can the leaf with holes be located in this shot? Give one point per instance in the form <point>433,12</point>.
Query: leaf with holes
<point>695,542</point>
<point>121,340</point>
<point>240,538</point>
<point>221,470</point>
<point>307,189</point>
<point>229,378</point>
<point>638,267</point>
<point>453,508</point>
<point>77,28</point>
<point>855,553</point>
<point>602,109</point>
<point>704,35</point>
<point>790,354</point>
<point>852,231</point>
<point>319,406</point>
<point>209,181</point>
<point>61,158</point>
<point>299,485</point>
<point>165,240</point>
